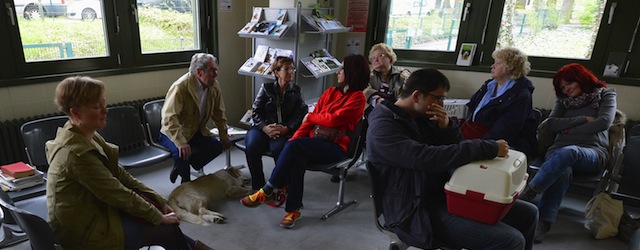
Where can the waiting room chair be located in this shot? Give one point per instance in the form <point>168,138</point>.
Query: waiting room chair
<point>153,120</point>
<point>35,134</point>
<point>125,129</point>
<point>152,111</point>
<point>599,181</point>
<point>627,188</point>
<point>395,242</point>
<point>341,168</point>
<point>240,145</point>
<point>36,228</point>
<point>11,231</point>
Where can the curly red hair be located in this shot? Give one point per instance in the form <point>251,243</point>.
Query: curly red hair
<point>575,72</point>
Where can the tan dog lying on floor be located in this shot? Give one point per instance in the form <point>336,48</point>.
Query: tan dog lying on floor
<point>191,201</point>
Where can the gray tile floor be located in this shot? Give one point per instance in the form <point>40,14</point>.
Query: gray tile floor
<point>353,228</point>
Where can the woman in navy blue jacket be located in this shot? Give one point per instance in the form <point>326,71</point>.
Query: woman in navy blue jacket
<point>502,108</point>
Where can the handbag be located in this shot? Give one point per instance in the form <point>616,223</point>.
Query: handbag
<point>330,134</point>
<point>473,130</point>
<point>602,216</point>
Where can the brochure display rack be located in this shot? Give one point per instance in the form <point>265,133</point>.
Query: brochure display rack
<point>298,39</point>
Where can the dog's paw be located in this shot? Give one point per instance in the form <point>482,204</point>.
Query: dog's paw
<point>214,218</point>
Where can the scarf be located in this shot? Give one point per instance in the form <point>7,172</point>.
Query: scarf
<point>488,96</point>
<point>583,100</point>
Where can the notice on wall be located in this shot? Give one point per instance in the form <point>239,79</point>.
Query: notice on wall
<point>357,14</point>
<point>353,46</point>
<point>224,5</point>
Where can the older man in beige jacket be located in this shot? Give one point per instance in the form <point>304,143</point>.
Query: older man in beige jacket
<point>193,100</point>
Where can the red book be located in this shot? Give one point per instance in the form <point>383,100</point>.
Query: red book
<point>17,170</point>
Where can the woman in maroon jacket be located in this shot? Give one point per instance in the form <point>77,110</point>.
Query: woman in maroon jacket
<point>320,139</point>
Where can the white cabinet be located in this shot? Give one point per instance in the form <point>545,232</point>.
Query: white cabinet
<point>301,38</point>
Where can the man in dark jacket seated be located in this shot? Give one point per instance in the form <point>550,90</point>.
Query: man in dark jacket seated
<point>415,147</point>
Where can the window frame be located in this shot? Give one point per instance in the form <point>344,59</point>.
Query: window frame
<point>123,44</point>
<point>471,31</point>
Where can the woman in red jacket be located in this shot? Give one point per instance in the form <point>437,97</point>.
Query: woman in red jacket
<point>320,139</point>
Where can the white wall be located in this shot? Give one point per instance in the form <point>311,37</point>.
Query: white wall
<point>464,84</point>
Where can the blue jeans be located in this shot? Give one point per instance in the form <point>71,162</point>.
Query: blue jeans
<point>515,231</point>
<point>203,150</point>
<point>257,142</point>
<point>291,165</point>
<point>555,174</point>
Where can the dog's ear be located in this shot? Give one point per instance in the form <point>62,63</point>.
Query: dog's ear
<point>234,172</point>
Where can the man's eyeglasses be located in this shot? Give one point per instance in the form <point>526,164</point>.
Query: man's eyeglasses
<point>288,70</point>
<point>437,97</point>
<point>378,57</point>
<point>211,70</point>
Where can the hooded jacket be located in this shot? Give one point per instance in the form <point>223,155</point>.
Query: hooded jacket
<point>87,191</point>
<point>509,116</point>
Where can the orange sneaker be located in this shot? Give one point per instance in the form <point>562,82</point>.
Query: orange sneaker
<point>256,199</point>
<point>290,219</point>
<point>280,198</point>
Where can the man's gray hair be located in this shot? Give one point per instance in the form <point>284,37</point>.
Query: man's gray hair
<point>199,61</point>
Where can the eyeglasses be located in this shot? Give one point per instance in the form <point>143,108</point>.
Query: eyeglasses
<point>437,97</point>
<point>211,70</point>
<point>378,57</point>
<point>288,70</point>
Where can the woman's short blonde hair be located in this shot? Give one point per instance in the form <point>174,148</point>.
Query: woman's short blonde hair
<point>386,49</point>
<point>77,91</point>
<point>516,61</point>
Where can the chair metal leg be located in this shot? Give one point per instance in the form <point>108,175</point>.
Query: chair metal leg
<point>341,204</point>
<point>361,160</point>
<point>12,236</point>
<point>228,165</point>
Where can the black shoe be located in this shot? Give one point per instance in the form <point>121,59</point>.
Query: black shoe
<point>529,194</point>
<point>541,231</point>
<point>173,175</point>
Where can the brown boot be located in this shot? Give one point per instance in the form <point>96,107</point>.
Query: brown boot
<point>201,246</point>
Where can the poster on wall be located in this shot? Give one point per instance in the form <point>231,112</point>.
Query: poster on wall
<point>357,14</point>
<point>224,6</point>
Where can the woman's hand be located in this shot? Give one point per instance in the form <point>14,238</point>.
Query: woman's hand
<point>282,129</point>
<point>589,118</point>
<point>437,113</point>
<point>166,209</point>
<point>271,130</point>
<point>170,218</point>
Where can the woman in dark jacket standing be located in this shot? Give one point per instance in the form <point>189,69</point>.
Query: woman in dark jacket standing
<point>277,112</point>
<point>502,108</point>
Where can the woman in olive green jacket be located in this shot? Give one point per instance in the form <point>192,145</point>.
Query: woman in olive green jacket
<point>93,202</point>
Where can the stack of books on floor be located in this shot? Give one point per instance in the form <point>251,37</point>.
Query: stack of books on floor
<point>18,176</point>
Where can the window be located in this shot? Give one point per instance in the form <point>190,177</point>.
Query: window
<point>552,32</point>
<point>423,25</point>
<point>559,29</point>
<point>60,37</point>
<point>53,36</point>
<point>167,26</point>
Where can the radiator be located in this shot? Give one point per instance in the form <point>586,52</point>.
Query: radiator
<point>12,145</point>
